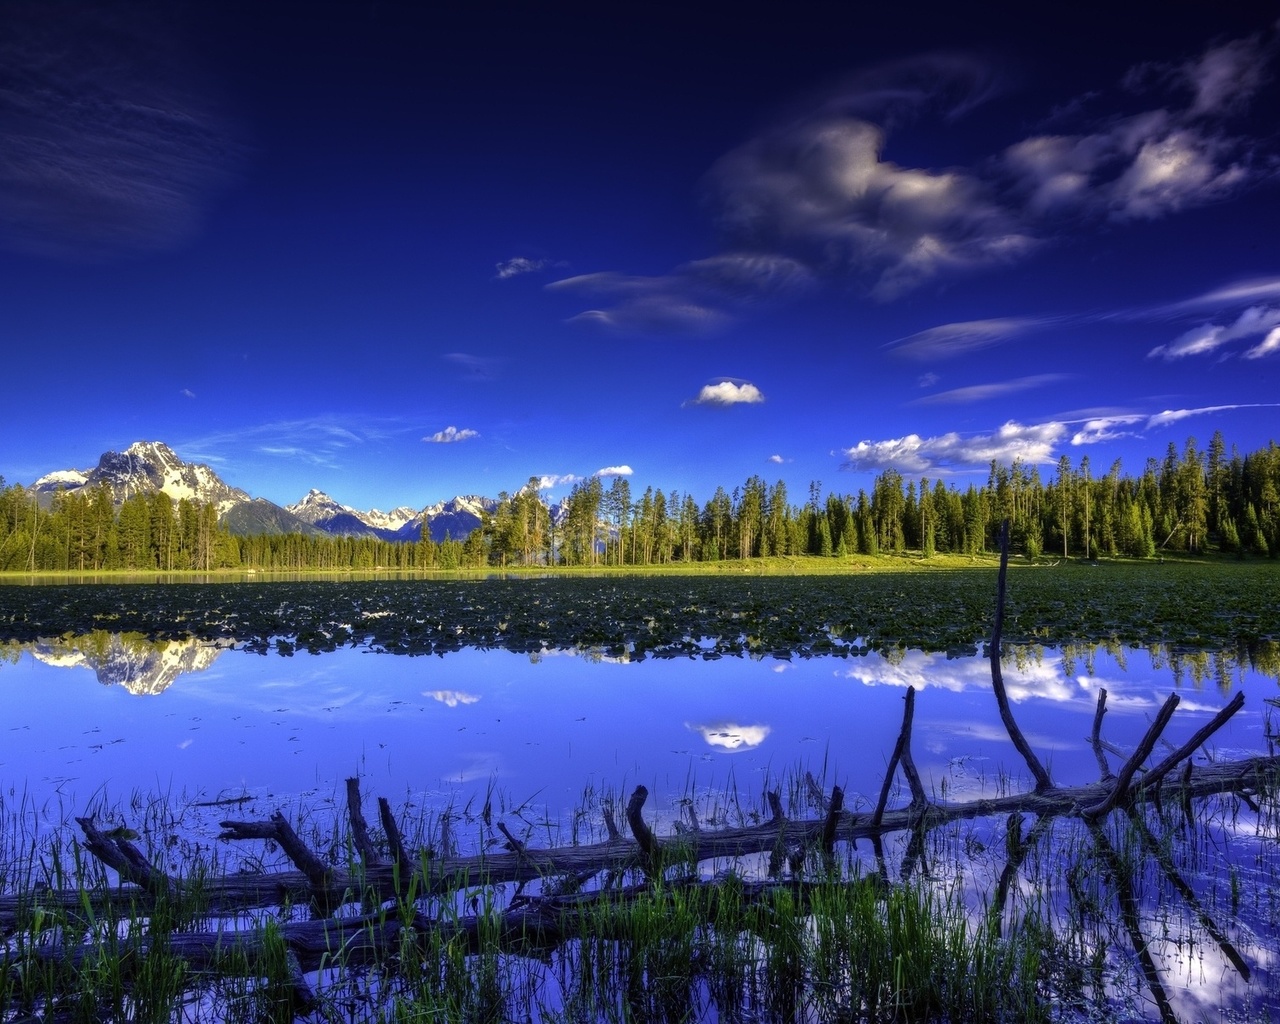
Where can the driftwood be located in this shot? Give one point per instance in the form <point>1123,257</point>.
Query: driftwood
<point>384,874</point>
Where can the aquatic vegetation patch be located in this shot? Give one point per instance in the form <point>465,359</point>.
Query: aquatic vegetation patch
<point>1217,605</point>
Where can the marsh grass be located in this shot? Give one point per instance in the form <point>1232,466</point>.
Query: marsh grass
<point>846,938</point>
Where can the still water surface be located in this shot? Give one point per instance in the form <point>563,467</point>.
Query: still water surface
<point>104,717</point>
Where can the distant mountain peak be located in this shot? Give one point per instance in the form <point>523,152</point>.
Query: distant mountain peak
<point>146,467</point>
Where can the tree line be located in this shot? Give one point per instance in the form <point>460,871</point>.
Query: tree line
<point>1192,501</point>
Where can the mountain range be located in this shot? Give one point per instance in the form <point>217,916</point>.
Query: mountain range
<point>146,467</point>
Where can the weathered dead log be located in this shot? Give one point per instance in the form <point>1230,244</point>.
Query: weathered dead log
<point>1038,771</point>
<point>240,891</point>
<point>1119,791</point>
<point>118,853</point>
<point>369,854</point>
<point>320,878</point>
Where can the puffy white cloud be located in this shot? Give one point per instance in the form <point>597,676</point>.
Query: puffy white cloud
<point>777,459</point>
<point>995,389</point>
<point>451,435</point>
<point>728,392</point>
<point>550,480</point>
<point>916,454</point>
<point>614,471</point>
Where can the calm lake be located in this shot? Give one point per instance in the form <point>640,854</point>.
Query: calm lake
<point>544,740</point>
<point>106,717</point>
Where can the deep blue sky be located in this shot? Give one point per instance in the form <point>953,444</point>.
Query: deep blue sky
<point>404,251</point>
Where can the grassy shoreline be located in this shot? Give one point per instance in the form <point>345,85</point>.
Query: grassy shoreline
<point>788,565</point>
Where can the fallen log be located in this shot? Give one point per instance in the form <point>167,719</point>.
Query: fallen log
<point>244,891</point>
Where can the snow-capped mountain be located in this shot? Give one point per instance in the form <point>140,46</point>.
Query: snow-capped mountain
<point>150,466</point>
<point>456,517</point>
<point>144,468</point>
<point>322,511</point>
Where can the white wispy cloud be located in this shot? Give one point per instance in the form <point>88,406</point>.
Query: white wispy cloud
<point>614,471</point>
<point>1268,345</point>
<point>1229,296</point>
<point>1254,322</point>
<point>1162,419</point>
<point>102,156</point>
<point>777,459</point>
<point>323,441</point>
<point>994,389</point>
<point>518,265</point>
<point>947,341</point>
<point>695,298</point>
<point>187,393</point>
<point>1106,428</point>
<point>451,435</point>
<point>915,454</point>
<point>728,392</point>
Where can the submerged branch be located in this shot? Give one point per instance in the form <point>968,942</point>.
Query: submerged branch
<point>1038,771</point>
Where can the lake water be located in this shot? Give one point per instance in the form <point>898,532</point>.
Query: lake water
<point>110,724</point>
<point>105,717</point>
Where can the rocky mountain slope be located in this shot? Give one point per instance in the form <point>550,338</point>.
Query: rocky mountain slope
<point>146,467</point>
